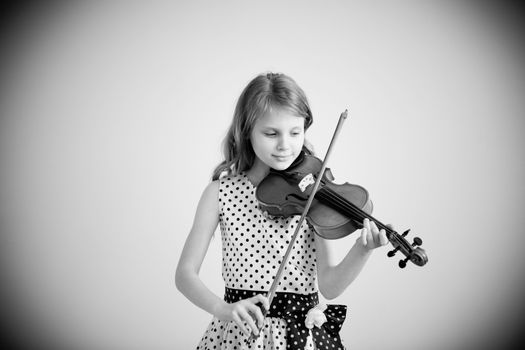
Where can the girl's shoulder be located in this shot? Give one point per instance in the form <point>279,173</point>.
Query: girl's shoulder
<point>210,194</point>
<point>236,179</point>
<point>234,186</point>
<point>226,183</point>
<point>208,206</point>
<point>212,189</point>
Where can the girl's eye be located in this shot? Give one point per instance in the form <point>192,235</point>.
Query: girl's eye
<point>270,134</point>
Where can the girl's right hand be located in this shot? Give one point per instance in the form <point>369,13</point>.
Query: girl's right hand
<point>247,314</point>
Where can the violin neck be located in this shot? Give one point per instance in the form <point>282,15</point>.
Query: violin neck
<point>341,204</point>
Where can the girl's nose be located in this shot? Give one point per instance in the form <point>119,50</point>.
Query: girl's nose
<point>283,143</point>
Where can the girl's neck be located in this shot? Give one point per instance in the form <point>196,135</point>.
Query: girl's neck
<point>257,172</point>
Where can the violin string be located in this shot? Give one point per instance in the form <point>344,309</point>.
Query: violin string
<point>352,208</point>
<point>347,206</point>
<point>341,203</point>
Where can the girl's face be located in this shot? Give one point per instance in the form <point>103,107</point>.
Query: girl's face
<point>277,138</point>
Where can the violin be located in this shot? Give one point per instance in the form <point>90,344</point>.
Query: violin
<point>336,210</point>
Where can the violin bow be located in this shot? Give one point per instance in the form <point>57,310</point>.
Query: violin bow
<point>273,288</point>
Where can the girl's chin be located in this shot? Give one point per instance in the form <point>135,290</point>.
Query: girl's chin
<point>281,165</point>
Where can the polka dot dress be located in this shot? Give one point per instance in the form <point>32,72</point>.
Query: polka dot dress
<point>253,248</point>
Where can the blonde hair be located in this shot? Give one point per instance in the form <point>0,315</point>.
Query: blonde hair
<point>264,92</point>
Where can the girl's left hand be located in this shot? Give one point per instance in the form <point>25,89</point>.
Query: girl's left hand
<point>371,236</point>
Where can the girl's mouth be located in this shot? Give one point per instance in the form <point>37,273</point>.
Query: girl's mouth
<point>282,158</point>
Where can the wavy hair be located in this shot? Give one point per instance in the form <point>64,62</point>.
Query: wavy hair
<point>264,92</point>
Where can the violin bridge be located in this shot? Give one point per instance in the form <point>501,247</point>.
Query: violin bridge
<point>306,181</point>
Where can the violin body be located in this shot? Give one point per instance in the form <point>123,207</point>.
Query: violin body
<point>336,211</point>
<point>280,195</point>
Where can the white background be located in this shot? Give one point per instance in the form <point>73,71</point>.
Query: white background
<point>112,115</point>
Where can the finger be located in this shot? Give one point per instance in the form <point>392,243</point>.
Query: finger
<point>364,232</point>
<point>366,224</point>
<point>256,313</point>
<point>238,321</point>
<point>375,233</point>
<point>369,239</point>
<point>259,298</point>
<point>252,327</point>
<point>383,239</point>
<point>374,228</point>
<point>263,299</point>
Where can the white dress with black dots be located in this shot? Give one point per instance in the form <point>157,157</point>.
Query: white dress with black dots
<point>252,249</point>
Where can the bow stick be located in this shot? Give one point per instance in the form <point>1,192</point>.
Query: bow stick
<point>277,278</point>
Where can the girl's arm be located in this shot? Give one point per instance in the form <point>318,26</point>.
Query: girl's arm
<point>187,277</point>
<point>333,278</point>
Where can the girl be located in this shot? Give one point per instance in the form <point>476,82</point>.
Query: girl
<point>268,129</point>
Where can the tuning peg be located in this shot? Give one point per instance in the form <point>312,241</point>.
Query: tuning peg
<point>417,242</point>
<point>392,252</point>
<point>403,263</point>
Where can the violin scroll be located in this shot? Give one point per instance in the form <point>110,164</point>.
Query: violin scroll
<point>412,252</point>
